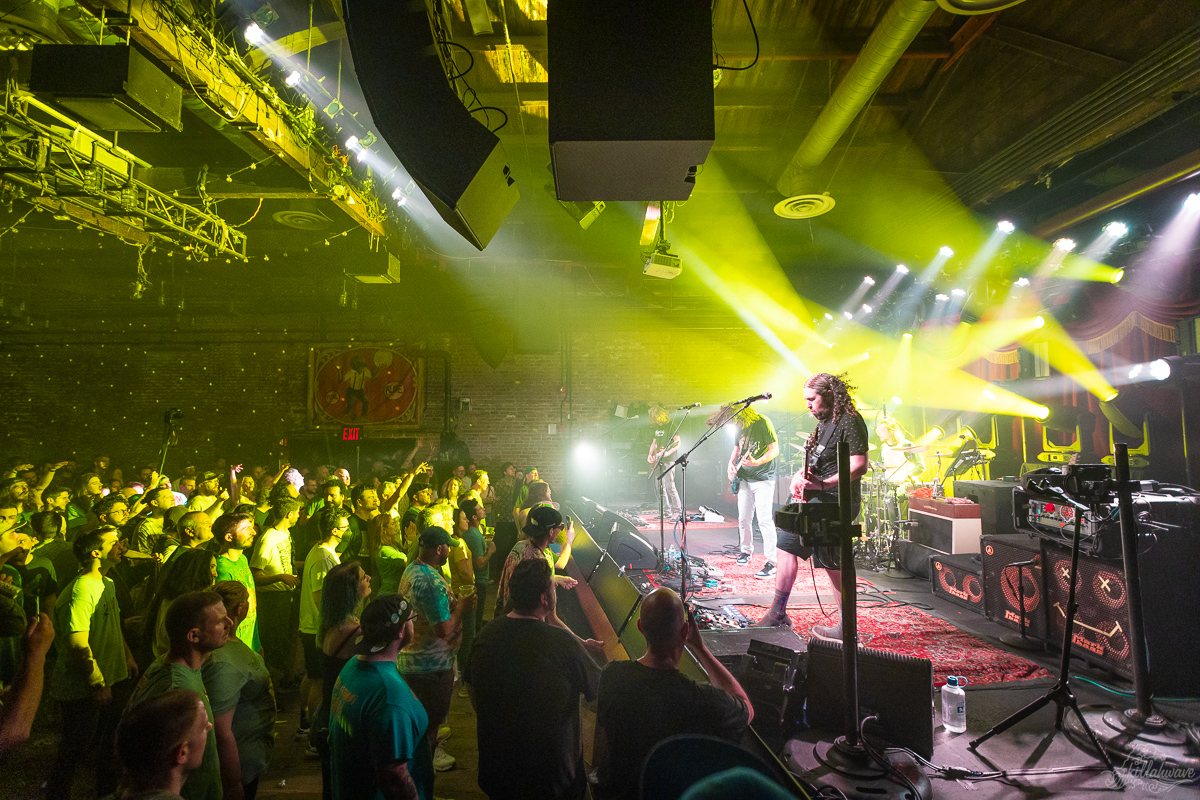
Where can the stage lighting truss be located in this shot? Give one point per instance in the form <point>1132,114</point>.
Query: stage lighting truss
<point>79,174</point>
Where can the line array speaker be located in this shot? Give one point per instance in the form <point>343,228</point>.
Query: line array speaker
<point>459,164</point>
<point>1001,591</point>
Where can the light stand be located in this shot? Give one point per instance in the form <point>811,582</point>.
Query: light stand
<point>1139,735</point>
<point>170,437</point>
<point>859,770</point>
<point>1060,693</point>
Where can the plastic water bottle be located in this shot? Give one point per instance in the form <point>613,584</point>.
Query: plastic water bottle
<point>954,704</point>
<point>672,557</point>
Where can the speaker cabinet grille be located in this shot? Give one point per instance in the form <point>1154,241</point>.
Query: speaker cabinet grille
<point>959,579</point>
<point>1101,635</point>
<point>1000,588</point>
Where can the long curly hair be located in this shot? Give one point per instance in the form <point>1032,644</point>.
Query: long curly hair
<point>836,389</point>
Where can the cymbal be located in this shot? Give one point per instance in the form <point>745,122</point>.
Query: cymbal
<point>798,447</point>
<point>916,448</point>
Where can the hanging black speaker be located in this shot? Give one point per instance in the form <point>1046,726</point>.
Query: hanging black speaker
<point>459,164</point>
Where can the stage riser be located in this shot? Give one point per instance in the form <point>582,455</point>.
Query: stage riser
<point>958,579</point>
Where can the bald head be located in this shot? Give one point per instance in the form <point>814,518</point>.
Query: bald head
<point>664,620</point>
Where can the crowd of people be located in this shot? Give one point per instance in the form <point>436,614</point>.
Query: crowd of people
<point>169,614</point>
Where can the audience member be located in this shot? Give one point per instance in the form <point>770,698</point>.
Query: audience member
<point>275,581</point>
<point>25,694</point>
<point>390,559</point>
<point>235,532</point>
<point>208,497</point>
<point>427,661</point>
<point>150,528</point>
<point>197,624</point>
<point>50,527</point>
<point>377,740</point>
<point>160,743</point>
<point>483,546</point>
<point>193,570</point>
<point>642,702</point>
<point>526,678</point>
<point>332,526</point>
<point>93,658</point>
<point>243,703</point>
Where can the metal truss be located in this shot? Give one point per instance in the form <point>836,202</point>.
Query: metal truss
<point>82,175</point>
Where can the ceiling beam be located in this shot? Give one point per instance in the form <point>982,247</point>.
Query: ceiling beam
<point>300,41</point>
<point>1067,55</point>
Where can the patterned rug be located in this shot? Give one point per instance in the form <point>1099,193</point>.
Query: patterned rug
<point>882,624</point>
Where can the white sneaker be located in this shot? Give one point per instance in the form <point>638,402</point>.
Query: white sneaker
<point>442,761</point>
<point>443,734</point>
<point>831,633</point>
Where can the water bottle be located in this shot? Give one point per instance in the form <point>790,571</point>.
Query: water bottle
<point>672,557</point>
<point>954,704</point>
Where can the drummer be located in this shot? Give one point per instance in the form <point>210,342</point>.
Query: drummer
<point>902,463</point>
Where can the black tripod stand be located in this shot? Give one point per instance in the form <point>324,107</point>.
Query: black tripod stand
<point>1060,693</point>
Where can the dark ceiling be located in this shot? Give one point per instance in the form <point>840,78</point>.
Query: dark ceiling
<point>965,110</point>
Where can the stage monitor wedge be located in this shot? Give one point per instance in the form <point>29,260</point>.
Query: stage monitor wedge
<point>631,98</point>
<point>459,164</point>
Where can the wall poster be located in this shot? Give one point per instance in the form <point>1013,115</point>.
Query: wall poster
<point>364,384</point>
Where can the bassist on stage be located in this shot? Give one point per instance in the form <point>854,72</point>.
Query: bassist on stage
<point>828,399</point>
<point>752,472</point>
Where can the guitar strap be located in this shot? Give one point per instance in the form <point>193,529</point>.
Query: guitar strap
<point>822,443</point>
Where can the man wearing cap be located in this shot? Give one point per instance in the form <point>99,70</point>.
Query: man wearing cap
<point>209,497</point>
<point>427,661</point>
<point>526,677</point>
<point>377,741</point>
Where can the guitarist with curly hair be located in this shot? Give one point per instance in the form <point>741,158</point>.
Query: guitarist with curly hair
<point>828,399</point>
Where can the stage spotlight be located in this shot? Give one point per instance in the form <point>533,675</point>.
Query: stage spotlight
<point>352,143</point>
<point>828,315</point>
<point>1043,412</point>
<point>1020,282</point>
<point>989,394</point>
<point>1136,371</point>
<point>1192,203</point>
<point>906,336</point>
<point>1039,321</point>
<point>867,355</point>
<point>896,401</point>
<point>847,315</point>
<point>255,35</point>
<point>585,452</point>
<point>903,270</point>
<point>958,292</point>
<point>1160,369</point>
<point>1111,396</point>
<point>945,250</point>
<point>1004,226</point>
<point>866,308</point>
<point>362,155</point>
<point>869,281</point>
<point>941,298</point>
<point>293,78</point>
<point>1117,275</point>
<point>1065,245</point>
<point>397,193</point>
<point>401,202</point>
<point>1116,229</point>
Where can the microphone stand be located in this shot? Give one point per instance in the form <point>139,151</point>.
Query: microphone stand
<point>682,462</point>
<point>662,512</point>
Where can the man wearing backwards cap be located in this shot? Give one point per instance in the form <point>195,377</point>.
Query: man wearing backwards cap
<point>376,726</point>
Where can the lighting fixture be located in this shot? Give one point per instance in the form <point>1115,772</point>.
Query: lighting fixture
<point>941,298</point>
<point>847,315</point>
<point>906,336</point>
<point>255,35</point>
<point>866,308</point>
<point>1004,226</point>
<point>352,143</point>
<point>397,194</point>
<point>945,250</point>
<point>293,78</point>
<point>1192,203</point>
<point>1116,276</point>
<point>959,292</point>
<point>1021,282</point>
<point>1116,229</point>
<point>1065,245</point>
<point>903,270</point>
<point>1160,369</point>
<point>897,401</point>
<point>1039,321</point>
<point>828,315</point>
<point>869,281</point>
<point>989,394</point>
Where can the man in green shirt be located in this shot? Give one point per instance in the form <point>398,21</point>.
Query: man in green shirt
<point>235,532</point>
<point>160,743</point>
<point>243,702</point>
<point>92,659</point>
<point>196,626</point>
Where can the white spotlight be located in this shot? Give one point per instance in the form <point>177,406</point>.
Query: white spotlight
<point>1004,226</point>
<point>896,401</point>
<point>903,270</point>
<point>362,155</point>
<point>941,298</point>
<point>1192,203</point>
<point>1065,245</point>
<point>906,336</point>
<point>1160,370</point>
<point>1137,370</point>
<point>1116,229</point>
<point>959,292</point>
<point>1021,282</point>
<point>293,78</point>
<point>847,315</point>
<point>945,250</point>
<point>866,308</point>
<point>255,35</point>
<point>869,281</point>
<point>397,193</point>
<point>828,315</point>
<point>989,394</point>
<point>352,143</point>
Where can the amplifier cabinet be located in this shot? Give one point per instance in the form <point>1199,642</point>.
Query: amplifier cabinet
<point>959,579</point>
<point>945,534</point>
<point>1001,592</point>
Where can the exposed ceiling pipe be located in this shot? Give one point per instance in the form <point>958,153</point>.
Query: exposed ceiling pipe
<point>894,32</point>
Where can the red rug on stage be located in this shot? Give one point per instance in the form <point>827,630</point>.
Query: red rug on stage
<point>895,628</point>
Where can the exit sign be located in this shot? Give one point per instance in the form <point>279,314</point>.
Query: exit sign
<point>351,434</point>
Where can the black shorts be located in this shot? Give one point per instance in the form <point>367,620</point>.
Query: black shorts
<point>312,657</point>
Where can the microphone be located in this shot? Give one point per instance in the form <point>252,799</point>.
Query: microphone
<point>683,408</point>
<point>755,398</point>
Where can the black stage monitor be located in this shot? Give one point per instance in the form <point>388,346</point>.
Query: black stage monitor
<point>896,689</point>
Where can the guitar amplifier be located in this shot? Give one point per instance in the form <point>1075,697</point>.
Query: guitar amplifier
<point>1001,592</point>
<point>943,526</point>
<point>959,579</point>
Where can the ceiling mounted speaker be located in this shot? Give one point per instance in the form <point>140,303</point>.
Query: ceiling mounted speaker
<point>459,164</point>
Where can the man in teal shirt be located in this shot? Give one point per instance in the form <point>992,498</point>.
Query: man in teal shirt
<point>376,726</point>
<point>235,532</point>
<point>197,624</point>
